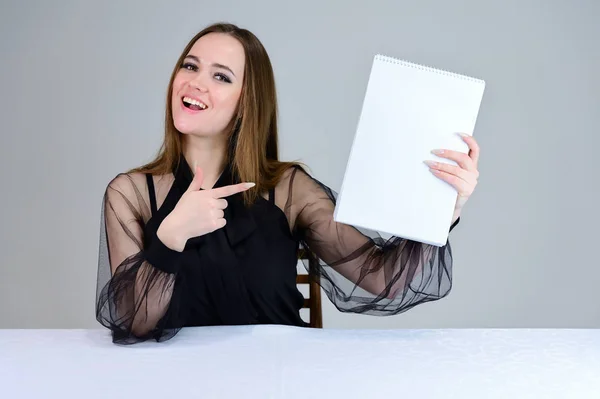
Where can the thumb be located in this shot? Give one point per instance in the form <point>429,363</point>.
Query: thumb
<point>196,183</point>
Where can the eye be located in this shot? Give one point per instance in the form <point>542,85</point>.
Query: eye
<point>222,77</point>
<point>189,66</point>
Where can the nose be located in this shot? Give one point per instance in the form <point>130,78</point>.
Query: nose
<point>199,83</point>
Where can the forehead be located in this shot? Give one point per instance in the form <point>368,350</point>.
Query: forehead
<point>220,48</point>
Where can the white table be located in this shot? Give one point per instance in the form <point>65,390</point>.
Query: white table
<point>287,362</point>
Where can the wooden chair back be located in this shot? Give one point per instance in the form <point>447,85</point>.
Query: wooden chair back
<point>313,302</point>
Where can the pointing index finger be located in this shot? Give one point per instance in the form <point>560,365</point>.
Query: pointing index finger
<point>226,191</point>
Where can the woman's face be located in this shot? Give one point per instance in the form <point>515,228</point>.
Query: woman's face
<point>208,85</point>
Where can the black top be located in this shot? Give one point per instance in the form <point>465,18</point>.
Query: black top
<point>245,273</point>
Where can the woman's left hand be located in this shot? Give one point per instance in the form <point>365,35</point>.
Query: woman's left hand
<point>462,177</point>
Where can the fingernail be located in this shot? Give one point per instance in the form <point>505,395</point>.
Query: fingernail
<point>430,163</point>
<point>462,134</point>
<point>437,152</point>
<point>250,185</point>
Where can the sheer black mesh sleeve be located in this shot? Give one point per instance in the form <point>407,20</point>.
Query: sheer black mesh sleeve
<point>359,270</point>
<point>137,273</point>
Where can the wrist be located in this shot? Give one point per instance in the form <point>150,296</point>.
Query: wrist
<point>163,250</point>
<point>456,215</point>
<point>170,235</point>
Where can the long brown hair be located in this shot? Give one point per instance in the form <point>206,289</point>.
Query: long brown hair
<point>253,143</point>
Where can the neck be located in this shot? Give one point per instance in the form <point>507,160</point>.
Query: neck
<point>209,153</point>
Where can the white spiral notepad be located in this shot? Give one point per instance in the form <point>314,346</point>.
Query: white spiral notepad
<point>408,110</point>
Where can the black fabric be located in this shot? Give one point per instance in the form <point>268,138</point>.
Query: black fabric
<point>272,196</point>
<point>245,273</point>
<point>151,192</point>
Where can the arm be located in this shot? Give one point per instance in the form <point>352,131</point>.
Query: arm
<point>362,272</point>
<point>136,273</point>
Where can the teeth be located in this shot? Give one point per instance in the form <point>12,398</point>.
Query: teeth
<point>194,102</point>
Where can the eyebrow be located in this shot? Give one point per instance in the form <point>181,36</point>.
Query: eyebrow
<point>215,64</point>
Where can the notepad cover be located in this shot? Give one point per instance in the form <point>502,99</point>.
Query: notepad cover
<point>408,110</point>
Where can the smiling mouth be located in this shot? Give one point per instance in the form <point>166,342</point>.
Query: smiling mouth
<point>193,104</point>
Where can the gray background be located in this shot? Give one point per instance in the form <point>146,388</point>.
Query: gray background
<point>82,94</point>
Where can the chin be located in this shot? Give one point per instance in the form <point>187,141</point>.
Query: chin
<point>196,131</point>
<point>184,126</point>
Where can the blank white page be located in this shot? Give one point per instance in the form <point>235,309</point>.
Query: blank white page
<point>408,110</point>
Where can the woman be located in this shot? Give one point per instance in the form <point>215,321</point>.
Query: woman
<point>208,232</point>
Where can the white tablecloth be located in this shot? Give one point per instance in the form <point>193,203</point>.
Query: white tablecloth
<point>287,362</point>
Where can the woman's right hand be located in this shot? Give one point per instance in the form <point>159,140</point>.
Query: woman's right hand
<point>197,212</point>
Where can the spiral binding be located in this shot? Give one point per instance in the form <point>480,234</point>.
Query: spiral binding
<point>426,68</point>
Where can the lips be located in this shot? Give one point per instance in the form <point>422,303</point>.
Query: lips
<point>193,104</point>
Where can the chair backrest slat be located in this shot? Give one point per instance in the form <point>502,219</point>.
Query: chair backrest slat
<point>313,302</point>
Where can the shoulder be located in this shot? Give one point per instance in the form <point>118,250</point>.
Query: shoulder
<point>127,180</point>
<point>293,173</point>
<point>299,181</point>
<point>291,177</point>
<point>127,184</point>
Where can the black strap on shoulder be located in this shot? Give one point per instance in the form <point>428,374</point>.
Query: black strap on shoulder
<point>272,195</point>
<point>151,192</point>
